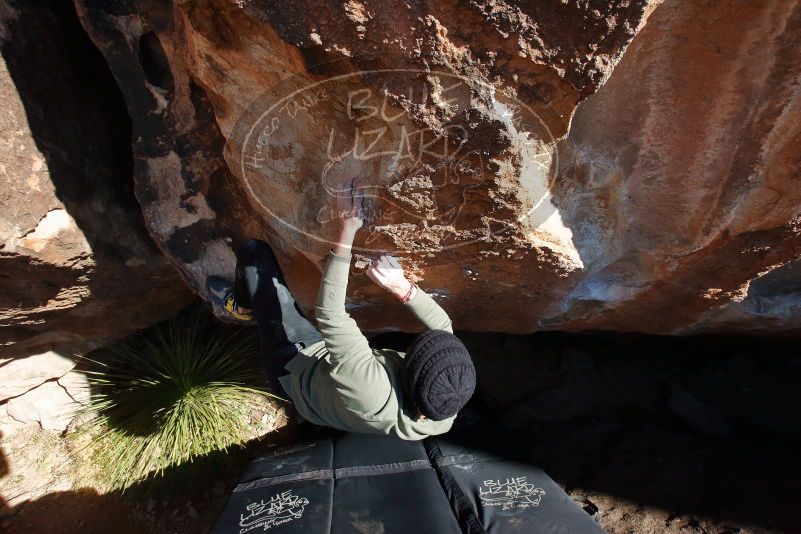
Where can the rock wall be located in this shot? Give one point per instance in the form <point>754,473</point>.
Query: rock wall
<point>248,115</point>
<point>680,177</point>
<point>77,266</point>
<point>549,165</point>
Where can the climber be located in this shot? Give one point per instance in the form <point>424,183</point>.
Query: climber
<point>332,375</point>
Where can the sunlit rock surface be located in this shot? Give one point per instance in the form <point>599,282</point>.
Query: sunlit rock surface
<point>681,177</point>
<point>532,171</point>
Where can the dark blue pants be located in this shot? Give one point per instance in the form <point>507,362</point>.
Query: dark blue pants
<point>283,330</point>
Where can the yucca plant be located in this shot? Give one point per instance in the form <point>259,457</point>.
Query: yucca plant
<point>176,393</point>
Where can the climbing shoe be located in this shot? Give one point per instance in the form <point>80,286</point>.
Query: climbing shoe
<point>221,295</point>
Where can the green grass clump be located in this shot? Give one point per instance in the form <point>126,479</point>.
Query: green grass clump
<point>179,392</point>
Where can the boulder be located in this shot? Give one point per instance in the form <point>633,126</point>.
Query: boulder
<point>536,165</point>
<point>679,177</point>
<point>48,404</point>
<point>77,266</point>
<point>23,374</point>
<point>248,116</point>
<point>8,427</point>
<point>76,384</point>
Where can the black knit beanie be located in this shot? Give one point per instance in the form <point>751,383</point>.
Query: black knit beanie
<point>439,374</point>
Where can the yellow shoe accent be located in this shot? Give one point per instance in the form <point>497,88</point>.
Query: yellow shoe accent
<point>233,309</point>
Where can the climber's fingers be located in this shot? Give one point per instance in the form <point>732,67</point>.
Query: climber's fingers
<point>349,200</point>
<point>353,193</point>
<point>343,199</point>
<point>380,265</point>
<point>393,262</point>
<point>384,263</point>
<point>375,275</point>
<point>381,269</point>
<point>357,198</point>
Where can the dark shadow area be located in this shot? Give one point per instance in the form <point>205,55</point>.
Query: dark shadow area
<point>4,468</point>
<point>690,435</point>
<point>154,62</point>
<point>80,124</point>
<point>775,294</point>
<point>3,464</point>
<point>29,284</point>
<point>653,430</point>
<point>74,108</point>
<point>29,295</point>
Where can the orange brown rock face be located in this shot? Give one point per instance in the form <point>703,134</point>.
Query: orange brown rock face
<point>688,162</point>
<point>526,167</point>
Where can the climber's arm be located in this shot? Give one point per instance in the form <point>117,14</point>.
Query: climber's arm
<point>360,379</point>
<point>388,274</point>
<point>429,312</point>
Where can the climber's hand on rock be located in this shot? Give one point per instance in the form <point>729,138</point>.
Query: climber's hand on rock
<point>350,208</point>
<point>350,211</point>
<point>388,274</point>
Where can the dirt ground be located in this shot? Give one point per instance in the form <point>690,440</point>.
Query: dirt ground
<point>669,435</point>
<point>47,483</point>
<point>660,435</point>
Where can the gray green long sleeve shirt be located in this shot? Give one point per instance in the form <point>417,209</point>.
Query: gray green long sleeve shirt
<point>343,383</point>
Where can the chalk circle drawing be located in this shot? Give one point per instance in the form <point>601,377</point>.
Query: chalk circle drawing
<point>512,493</point>
<point>369,133</point>
<point>279,509</point>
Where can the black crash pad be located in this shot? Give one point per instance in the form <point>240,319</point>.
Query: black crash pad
<point>358,483</point>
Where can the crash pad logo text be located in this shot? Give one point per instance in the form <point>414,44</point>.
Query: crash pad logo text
<point>279,509</point>
<point>513,493</point>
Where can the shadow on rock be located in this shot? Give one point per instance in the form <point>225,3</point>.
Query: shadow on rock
<point>83,266</point>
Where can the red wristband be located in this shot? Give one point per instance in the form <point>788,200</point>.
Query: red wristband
<point>409,293</point>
